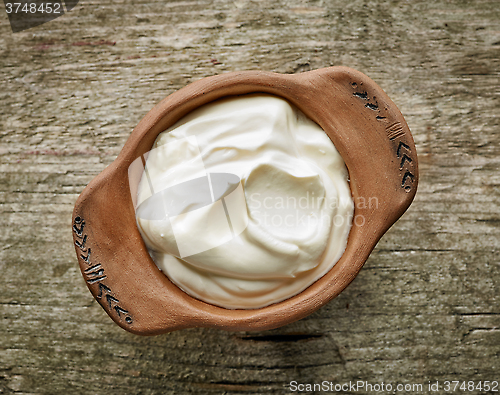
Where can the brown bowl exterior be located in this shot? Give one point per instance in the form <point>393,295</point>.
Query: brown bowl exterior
<point>367,129</point>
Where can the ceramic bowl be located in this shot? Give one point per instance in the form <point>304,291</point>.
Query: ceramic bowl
<point>366,128</point>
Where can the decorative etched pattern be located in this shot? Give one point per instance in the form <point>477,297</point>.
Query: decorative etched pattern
<point>95,274</point>
<point>403,152</point>
<point>395,131</point>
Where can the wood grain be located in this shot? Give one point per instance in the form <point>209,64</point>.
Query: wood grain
<point>425,305</point>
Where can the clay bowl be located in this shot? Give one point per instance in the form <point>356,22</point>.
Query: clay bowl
<point>367,129</point>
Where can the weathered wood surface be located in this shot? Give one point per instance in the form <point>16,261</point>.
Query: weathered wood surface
<point>425,306</point>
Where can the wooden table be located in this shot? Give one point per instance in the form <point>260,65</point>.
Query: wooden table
<point>426,305</point>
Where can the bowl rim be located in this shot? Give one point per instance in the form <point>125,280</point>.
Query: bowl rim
<point>365,126</point>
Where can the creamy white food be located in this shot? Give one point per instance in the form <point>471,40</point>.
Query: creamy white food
<point>283,226</point>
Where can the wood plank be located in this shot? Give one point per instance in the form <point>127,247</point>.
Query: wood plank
<point>424,307</point>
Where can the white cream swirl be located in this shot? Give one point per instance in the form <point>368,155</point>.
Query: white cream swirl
<point>297,202</point>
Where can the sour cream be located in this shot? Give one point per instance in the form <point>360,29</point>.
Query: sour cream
<point>256,204</point>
